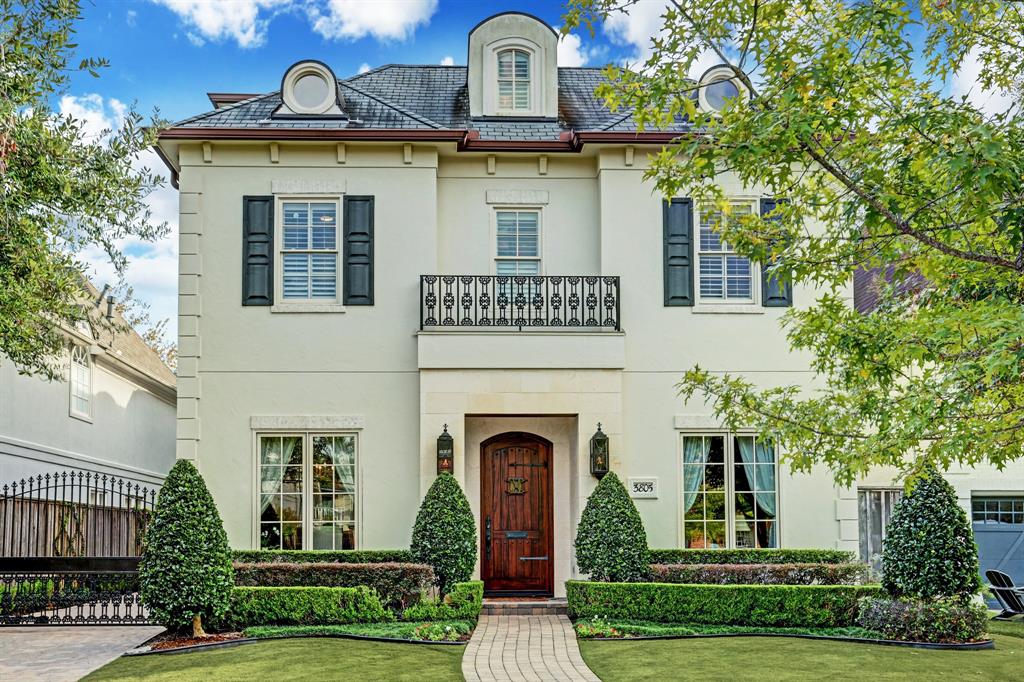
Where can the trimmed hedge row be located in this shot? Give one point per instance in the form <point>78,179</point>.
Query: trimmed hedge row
<point>809,606</point>
<point>920,621</point>
<point>760,574</point>
<point>750,556</point>
<point>303,606</point>
<point>397,585</point>
<point>463,602</point>
<point>341,556</point>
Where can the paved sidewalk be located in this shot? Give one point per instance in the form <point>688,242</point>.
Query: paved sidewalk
<point>57,653</point>
<point>524,649</point>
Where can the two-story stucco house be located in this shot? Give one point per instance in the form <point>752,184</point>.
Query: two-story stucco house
<point>370,263</point>
<point>112,412</point>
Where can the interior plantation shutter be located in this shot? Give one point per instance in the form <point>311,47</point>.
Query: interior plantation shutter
<point>257,250</point>
<point>775,292</point>
<point>357,276</point>
<point>677,219</point>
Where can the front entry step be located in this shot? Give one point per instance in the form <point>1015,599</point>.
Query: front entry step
<point>524,607</point>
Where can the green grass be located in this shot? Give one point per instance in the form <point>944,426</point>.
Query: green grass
<point>736,659</point>
<point>296,659</point>
<point>1010,628</point>
<point>433,631</point>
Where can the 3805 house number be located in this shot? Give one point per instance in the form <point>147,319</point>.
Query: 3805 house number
<point>646,487</point>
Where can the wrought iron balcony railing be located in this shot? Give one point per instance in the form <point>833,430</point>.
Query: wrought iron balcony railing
<point>502,302</point>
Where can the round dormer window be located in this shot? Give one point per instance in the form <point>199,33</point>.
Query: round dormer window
<point>309,88</point>
<point>718,86</point>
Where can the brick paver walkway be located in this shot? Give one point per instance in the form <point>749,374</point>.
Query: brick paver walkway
<point>524,649</point>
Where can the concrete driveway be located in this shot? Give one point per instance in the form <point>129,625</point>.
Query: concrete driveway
<point>65,653</point>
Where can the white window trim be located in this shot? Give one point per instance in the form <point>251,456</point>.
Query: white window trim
<point>718,305</point>
<point>90,369</point>
<point>296,305</point>
<point>307,477</point>
<point>495,209</point>
<point>730,474</point>
<point>490,76</point>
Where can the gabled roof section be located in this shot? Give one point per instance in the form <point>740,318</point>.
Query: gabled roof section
<point>399,98</point>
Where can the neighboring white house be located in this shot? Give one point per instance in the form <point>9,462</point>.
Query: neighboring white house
<point>112,412</point>
<point>367,264</point>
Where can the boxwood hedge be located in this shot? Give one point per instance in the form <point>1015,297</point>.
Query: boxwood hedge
<point>397,585</point>
<point>750,556</point>
<point>346,556</point>
<point>943,620</point>
<point>811,606</point>
<point>303,606</point>
<point>463,602</point>
<point>760,574</point>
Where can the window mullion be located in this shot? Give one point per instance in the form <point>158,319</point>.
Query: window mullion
<point>730,492</point>
<point>307,493</point>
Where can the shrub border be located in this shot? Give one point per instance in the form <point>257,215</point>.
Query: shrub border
<point>983,644</point>
<point>140,651</point>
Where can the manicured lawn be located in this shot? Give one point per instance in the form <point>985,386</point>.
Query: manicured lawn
<point>760,658</point>
<point>298,659</point>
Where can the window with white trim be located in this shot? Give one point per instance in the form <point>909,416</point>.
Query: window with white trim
<point>725,277</point>
<point>730,492</point>
<point>514,80</point>
<point>309,250</point>
<point>81,382</point>
<point>518,242</point>
<point>308,491</point>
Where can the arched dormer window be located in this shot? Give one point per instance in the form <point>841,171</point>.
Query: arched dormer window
<point>514,80</point>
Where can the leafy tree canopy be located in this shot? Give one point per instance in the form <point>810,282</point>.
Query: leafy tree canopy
<point>60,191</point>
<point>851,118</point>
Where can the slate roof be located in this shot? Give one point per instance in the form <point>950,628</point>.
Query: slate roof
<point>429,97</point>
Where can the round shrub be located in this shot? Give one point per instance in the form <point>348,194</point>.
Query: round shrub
<point>185,572</point>
<point>611,544</point>
<point>929,549</point>
<point>444,536</point>
<point>914,620</point>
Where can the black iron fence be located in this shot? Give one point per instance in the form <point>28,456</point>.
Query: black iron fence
<point>70,544</point>
<point>502,302</point>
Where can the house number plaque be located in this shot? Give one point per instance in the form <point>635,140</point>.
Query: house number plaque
<point>643,487</point>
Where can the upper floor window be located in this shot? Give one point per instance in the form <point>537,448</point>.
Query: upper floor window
<point>724,275</point>
<point>81,382</point>
<point>514,80</point>
<point>309,251</point>
<point>518,242</point>
<point>729,492</point>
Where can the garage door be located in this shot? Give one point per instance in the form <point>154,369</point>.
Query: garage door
<point>999,532</point>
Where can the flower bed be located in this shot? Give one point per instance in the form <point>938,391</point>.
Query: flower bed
<point>398,585</point>
<point>750,556</point>
<point>922,621</point>
<point>760,574</point>
<point>812,606</point>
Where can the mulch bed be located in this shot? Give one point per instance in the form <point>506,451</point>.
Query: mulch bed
<point>170,640</point>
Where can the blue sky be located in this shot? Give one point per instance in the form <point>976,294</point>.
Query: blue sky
<point>167,54</point>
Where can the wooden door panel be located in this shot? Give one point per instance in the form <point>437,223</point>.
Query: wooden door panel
<point>516,505</point>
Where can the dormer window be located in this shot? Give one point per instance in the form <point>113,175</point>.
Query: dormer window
<point>514,80</point>
<point>309,88</point>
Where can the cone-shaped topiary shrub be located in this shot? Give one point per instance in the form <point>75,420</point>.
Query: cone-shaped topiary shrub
<point>445,535</point>
<point>611,544</point>
<point>186,569</point>
<point>929,549</point>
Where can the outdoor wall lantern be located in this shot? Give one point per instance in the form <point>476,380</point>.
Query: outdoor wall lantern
<point>445,452</point>
<point>598,453</point>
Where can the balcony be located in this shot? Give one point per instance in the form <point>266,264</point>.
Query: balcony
<point>504,303</point>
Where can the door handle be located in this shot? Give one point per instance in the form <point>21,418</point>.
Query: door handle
<point>487,536</point>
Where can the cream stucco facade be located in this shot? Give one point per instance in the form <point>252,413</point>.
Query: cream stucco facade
<point>370,371</point>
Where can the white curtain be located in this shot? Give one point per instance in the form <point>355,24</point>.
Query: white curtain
<point>762,478</point>
<point>695,451</point>
<point>275,456</point>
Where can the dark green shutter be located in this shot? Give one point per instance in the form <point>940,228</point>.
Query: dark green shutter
<point>776,292</point>
<point>357,277</point>
<point>677,219</point>
<point>257,250</point>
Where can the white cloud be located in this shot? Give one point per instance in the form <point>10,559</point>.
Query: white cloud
<point>640,26</point>
<point>152,266</point>
<point>130,17</point>
<point>448,61</point>
<point>244,21</point>
<point>571,52</point>
<point>364,67</point>
<point>382,19</point>
<point>965,84</point>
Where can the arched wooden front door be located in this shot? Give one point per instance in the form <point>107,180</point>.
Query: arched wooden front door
<point>516,515</point>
